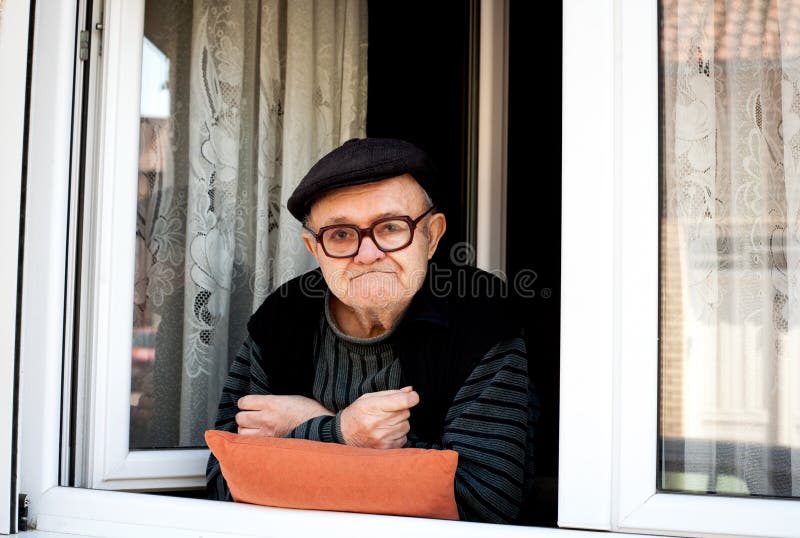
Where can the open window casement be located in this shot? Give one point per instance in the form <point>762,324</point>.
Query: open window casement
<point>83,434</point>
<point>103,455</point>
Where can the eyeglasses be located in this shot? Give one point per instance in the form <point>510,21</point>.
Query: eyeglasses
<point>389,235</point>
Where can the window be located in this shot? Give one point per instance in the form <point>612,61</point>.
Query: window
<point>610,282</point>
<point>730,417</point>
<point>616,321</point>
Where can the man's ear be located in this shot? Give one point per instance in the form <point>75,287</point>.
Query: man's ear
<point>436,229</point>
<point>311,244</point>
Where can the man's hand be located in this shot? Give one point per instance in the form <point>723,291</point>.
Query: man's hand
<point>275,415</point>
<point>379,419</point>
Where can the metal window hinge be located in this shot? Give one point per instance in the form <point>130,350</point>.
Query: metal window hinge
<point>22,519</point>
<point>83,53</point>
<point>85,37</point>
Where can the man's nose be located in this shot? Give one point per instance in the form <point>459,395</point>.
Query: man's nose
<point>368,252</point>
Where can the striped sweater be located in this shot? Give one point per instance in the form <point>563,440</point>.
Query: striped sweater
<point>490,422</point>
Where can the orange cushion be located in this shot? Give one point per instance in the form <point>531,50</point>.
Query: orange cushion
<point>297,473</point>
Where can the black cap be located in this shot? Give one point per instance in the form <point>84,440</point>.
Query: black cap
<point>358,161</point>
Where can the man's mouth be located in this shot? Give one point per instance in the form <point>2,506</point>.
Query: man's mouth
<point>370,272</point>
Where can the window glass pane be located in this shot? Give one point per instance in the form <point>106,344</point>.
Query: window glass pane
<point>730,248</point>
<point>239,99</point>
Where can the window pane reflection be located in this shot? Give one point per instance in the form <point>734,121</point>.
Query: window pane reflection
<point>238,100</point>
<point>730,248</point>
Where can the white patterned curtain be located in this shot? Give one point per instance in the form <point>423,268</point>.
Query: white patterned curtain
<point>262,90</point>
<point>731,244</point>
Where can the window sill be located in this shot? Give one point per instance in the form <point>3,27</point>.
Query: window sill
<point>96,513</point>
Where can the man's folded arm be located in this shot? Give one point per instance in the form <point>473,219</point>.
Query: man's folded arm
<point>322,428</point>
<point>247,376</point>
<point>490,424</point>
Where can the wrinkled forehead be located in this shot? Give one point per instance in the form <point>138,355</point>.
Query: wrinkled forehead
<point>360,204</point>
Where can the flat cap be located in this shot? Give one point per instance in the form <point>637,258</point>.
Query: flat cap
<point>358,161</point>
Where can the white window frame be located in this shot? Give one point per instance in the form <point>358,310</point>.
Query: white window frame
<point>609,309</point>
<point>13,59</point>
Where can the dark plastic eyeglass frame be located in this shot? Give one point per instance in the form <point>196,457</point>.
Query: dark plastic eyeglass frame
<point>364,232</point>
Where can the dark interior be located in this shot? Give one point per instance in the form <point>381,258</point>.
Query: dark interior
<point>534,220</point>
<point>418,52</point>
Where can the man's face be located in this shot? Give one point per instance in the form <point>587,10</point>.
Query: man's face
<point>373,278</point>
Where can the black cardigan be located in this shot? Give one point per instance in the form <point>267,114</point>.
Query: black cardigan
<point>458,314</point>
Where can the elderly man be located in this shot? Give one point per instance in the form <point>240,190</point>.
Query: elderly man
<point>379,349</point>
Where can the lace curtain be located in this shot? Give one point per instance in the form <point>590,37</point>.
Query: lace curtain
<point>731,245</point>
<point>258,91</point>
